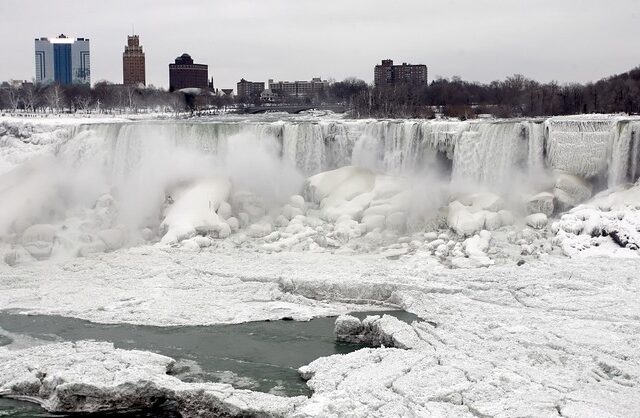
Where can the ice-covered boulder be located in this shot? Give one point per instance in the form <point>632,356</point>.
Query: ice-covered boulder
<point>290,212</point>
<point>233,223</point>
<point>194,209</point>
<point>147,234</point>
<point>347,325</point>
<point>536,220</point>
<point>259,230</point>
<point>341,184</point>
<point>487,201</point>
<point>38,240</point>
<point>611,217</point>
<point>346,229</point>
<point>374,222</point>
<point>430,236</point>
<point>625,234</point>
<point>475,249</point>
<point>541,203</point>
<point>377,331</point>
<point>360,194</point>
<point>570,190</point>
<point>224,210</point>
<point>569,223</point>
<point>463,221</point>
<point>492,221</point>
<point>297,201</point>
<point>17,256</point>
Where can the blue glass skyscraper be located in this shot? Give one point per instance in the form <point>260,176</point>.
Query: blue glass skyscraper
<point>62,60</point>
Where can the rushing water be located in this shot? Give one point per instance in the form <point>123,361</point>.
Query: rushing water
<point>11,408</point>
<point>261,356</point>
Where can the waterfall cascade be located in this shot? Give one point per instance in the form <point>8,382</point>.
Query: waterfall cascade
<point>486,153</point>
<point>308,184</point>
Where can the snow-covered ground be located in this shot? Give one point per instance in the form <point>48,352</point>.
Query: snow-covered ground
<point>527,296</point>
<point>551,336</point>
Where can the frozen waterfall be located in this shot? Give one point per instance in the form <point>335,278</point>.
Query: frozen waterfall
<point>487,153</point>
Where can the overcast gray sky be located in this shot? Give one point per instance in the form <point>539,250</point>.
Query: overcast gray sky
<point>481,40</point>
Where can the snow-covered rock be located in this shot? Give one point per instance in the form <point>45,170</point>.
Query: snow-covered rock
<point>463,221</point>
<point>570,190</point>
<point>536,220</point>
<point>90,377</point>
<point>38,240</point>
<point>194,209</point>
<point>376,331</point>
<point>487,201</point>
<point>541,203</point>
<point>475,249</point>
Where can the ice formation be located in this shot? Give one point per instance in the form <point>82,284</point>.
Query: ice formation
<point>209,222</point>
<point>376,331</point>
<point>318,185</point>
<point>607,224</point>
<point>553,334</point>
<point>94,377</point>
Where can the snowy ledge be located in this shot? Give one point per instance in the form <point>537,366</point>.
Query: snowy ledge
<point>89,376</point>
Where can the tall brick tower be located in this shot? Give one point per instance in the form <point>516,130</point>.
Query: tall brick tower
<point>133,69</point>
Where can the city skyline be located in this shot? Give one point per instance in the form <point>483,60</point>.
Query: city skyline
<point>249,39</point>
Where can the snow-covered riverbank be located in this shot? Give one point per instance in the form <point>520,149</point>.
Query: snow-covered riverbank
<point>552,335</point>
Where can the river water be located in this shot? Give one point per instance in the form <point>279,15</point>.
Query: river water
<point>261,356</point>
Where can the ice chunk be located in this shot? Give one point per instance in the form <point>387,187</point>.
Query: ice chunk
<point>570,190</point>
<point>297,201</point>
<point>541,203</point>
<point>463,221</point>
<point>194,209</point>
<point>536,220</point>
<point>38,240</point>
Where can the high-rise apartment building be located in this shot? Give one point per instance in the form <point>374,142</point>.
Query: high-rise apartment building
<point>185,74</point>
<point>249,88</point>
<point>133,66</point>
<point>389,74</point>
<point>62,60</point>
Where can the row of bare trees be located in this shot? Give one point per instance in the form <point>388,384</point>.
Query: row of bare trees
<point>103,97</point>
<point>517,96</point>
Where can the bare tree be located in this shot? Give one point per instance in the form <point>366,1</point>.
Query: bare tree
<point>13,97</point>
<point>53,97</point>
<point>129,95</point>
<point>30,97</point>
<point>83,103</point>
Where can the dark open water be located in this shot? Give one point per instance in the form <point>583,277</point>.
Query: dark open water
<point>261,356</point>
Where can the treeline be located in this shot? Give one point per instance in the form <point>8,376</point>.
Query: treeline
<point>103,97</point>
<point>517,96</point>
